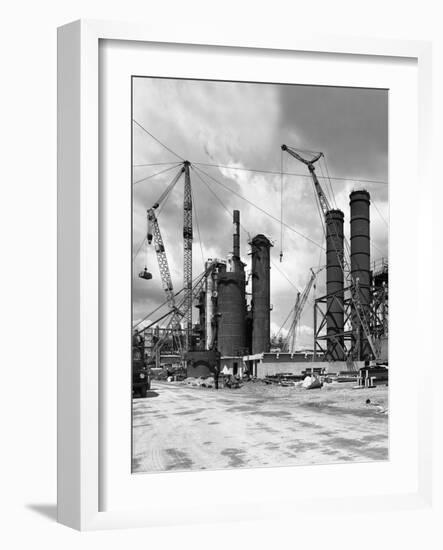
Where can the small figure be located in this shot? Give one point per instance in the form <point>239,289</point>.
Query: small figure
<point>216,373</point>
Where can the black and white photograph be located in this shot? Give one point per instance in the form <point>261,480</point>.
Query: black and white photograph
<point>218,199</point>
<point>260,275</point>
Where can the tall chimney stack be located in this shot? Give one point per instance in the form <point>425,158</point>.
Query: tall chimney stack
<point>361,265</point>
<point>261,294</point>
<point>236,236</point>
<point>334,285</point>
<point>231,301</point>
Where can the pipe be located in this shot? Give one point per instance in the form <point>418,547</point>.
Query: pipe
<point>210,309</point>
<point>236,236</point>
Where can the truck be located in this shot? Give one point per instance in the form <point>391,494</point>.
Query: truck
<point>141,377</point>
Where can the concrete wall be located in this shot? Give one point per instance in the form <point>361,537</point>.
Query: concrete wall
<point>285,358</point>
<point>265,369</point>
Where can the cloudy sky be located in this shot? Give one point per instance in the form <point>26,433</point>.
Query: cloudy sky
<point>243,125</point>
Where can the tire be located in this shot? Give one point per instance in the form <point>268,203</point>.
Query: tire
<point>143,391</point>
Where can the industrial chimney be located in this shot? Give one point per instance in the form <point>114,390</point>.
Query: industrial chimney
<point>261,294</point>
<point>231,301</point>
<point>334,285</point>
<point>360,266</point>
<point>236,235</point>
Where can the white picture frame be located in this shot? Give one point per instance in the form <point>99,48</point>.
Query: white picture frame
<point>79,256</point>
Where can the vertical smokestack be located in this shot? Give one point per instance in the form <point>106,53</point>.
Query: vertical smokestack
<point>236,237</point>
<point>261,294</point>
<point>231,301</point>
<point>334,285</point>
<point>360,264</point>
<point>231,309</point>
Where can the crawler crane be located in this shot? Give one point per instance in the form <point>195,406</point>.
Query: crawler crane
<point>343,259</point>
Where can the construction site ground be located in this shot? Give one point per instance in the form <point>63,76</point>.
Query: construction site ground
<point>180,427</point>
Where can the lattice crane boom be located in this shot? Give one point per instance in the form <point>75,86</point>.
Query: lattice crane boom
<point>154,234</point>
<point>302,298</point>
<point>187,254</point>
<point>199,283</point>
<point>324,203</point>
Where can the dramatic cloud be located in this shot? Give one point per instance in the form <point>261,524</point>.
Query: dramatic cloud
<point>242,125</point>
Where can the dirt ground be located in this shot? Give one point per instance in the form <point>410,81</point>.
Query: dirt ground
<point>179,427</point>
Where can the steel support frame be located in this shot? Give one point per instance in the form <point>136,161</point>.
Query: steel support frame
<point>378,320</point>
<point>380,311</point>
<point>322,308</point>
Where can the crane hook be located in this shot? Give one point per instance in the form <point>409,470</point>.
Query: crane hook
<point>145,274</point>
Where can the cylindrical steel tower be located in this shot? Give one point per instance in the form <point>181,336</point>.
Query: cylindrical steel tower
<point>231,302</point>
<point>231,306</point>
<point>261,294</point>
<point>360,266</point>
<point>334,285</point>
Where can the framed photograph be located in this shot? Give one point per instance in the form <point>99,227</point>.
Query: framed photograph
<point>240,249</point>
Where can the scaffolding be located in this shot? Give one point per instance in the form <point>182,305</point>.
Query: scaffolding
<point>348,341</point>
